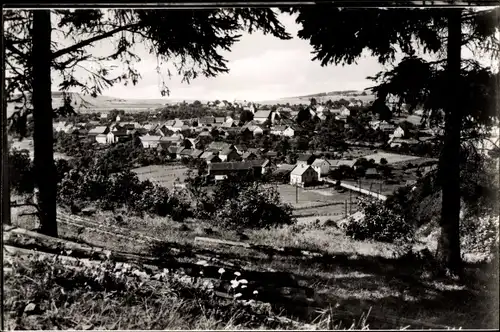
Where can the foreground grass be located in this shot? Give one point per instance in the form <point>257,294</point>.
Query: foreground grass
<point>355,277</point>
<point>45,293</point>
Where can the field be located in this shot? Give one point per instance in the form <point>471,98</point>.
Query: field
<point>27,144</point>
<point>313,204</point>
<point>162,175</point>
<point>392,158</point>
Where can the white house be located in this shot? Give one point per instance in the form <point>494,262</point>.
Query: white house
<point>289,132</point>
<point>345,111</point>
<point>322,167</point>
<point>104,115</point>
<point>101,138</point>
<point>149,141</point>
<point>398,132</point>
<point>303,175</point>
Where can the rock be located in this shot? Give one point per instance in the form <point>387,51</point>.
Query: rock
<point>89,211</point>
<point>30,308</point>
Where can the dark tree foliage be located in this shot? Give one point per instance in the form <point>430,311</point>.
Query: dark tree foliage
<point>435,84</point>
<point>192,40</point>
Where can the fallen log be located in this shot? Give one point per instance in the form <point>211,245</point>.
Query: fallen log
<point>222,242</point>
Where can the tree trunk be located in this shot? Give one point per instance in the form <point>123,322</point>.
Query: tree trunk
<point>5,155</point>
<point>45,178</point>
<point>448,253</point>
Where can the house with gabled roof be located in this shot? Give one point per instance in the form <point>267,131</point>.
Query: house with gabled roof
<point>213,159</point>
<point>240,148</point>
<point>196,153</point>
<point>248,155</point>
<point>305,158</point>
<point>262,116</point>
<point>221,170</point>
<point>322,167</point>
<point>303,175</point>
<point>336,163</point>
<point>99,130</point>
<point>149,141</point>
<point>206,121</point>
<point>229,154</point>
<point>219,146</point>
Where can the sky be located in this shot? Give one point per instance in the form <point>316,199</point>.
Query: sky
<point>261,67</point>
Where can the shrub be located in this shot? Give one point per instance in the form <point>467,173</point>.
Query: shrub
<point>254,207</point>
<point>379,223</point>
<point>21,172</point>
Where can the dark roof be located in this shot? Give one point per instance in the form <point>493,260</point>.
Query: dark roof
<point>305,157</point>
<point>219,145</point>
<point>231,166</point>
<point>207,119</point>
<point>186,152</point>
<point>175,149</point>
<point>241,147</point>
<point>196,153</point>
<point>226,151</point>
<point>248,154</point>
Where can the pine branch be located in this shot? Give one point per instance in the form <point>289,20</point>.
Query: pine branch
<point>91,40</point>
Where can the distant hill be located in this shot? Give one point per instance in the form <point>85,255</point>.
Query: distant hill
<point>323,97</point>
<point>83,103</point>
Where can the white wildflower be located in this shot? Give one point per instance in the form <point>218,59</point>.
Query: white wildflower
<point>221,270</point>
<point>234,283</point>
<point>237,295</point>
<point>243,281</point>
<point>255,292</point>
<point>237,274</point>
<point>201,272</point>
<point>244,286</point>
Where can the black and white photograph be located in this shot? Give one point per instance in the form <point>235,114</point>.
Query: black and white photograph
<point>320,165</point>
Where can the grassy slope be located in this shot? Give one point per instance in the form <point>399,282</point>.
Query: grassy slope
<point>354,276</point>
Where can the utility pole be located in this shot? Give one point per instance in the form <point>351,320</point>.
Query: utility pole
<point>345,205</point>
<point>296,193</point>
<point>350,201</point>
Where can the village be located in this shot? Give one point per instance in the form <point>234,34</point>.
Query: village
<point>210,139</point>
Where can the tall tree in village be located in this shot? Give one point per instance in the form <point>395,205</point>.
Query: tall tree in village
<point>465,89</point>
<point>191,41</point>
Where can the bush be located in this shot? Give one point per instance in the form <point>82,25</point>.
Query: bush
<point>379,223</point>
<point>254,207</point>
<point>21,172</point>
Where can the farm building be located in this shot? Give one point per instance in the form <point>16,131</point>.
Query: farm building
<point>398,132</point>
<point>219,146</point>
<point>336,163</point>
<point>99,130</point>
<point>386,127</point>
<point>262,116</point>
<point>398,142</point>
<point>206,121</point>
<point>305,159</point>
<point>220,120</point>
<point>150,141</point>
<point>101,138</point>
<point>263,164</point>
<point>213,159</point>
<point>303,175</point>
<point>241,148</point>
<point>249,156</point>
<point>196,153</point>
<point>221,170</point>
<point>282,172</point>
<point>229,154</point>
<point>322,167</point>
